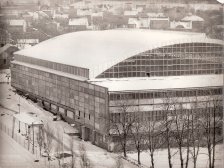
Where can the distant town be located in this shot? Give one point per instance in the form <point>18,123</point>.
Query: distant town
<point>111,84</point>
<point>25,23</point>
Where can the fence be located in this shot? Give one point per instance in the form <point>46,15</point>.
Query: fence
<point>21,139</point>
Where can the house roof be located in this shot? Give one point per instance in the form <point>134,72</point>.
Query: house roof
<point>16,22</point>
<point>78,21</point>
<point>99,50</point>
<point>193,18</point>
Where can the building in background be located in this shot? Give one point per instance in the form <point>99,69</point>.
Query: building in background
<point>197,22</point>
<point>181,25</point>
<point>78,24</point>
<point>6,55</point>
<point>17,25</point>
<point>84,76</point>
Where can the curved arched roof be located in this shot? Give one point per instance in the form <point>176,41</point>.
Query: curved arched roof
<point>99,50</point>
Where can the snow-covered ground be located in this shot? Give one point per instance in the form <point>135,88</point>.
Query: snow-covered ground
<point>99,158</point>
<point>161,160</point>
<point>3,74</point>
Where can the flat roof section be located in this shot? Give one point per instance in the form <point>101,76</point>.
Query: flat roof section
<point>159,83</point>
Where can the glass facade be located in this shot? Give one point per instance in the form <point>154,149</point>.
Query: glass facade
<point>55,66</point>
<point>79,100</point>
<point>172,60</point>
<point>150,105</point>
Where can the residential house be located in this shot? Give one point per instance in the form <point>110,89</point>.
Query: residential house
<point>17,25</point>
<point>160,23</point>
<point>78,24</point>
<point>25,43</point>
<point>6,55</point>
<point>130,13</point>
<point>155,15</point>
<point>84,12</point>
<point>139,23</point>
<point>197,22</point>
<point>181,25</point>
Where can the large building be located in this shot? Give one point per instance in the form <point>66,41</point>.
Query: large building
<point>84,75</point>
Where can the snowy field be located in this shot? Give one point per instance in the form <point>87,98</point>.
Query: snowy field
<point>161,160</point>
<point>99,158</point>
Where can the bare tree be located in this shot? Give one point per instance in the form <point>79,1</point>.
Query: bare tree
<point>71,146</point>
<point>84,160</point>
<point>122,127</point>
<point>180,129</point>
<point>40,139</point>
<point>211,122</point>
<point>59,149</point>
<point>167,107</point>
<point>138,135</point>
<point>48,141</point>
<point>195,132</point>
<point>153,138</point>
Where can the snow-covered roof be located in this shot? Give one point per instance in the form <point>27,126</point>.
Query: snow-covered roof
<point>139,22</point>
<point>99,50</point>
<point>4,48</point>
<point>130,13</point>
<point>193,18</point>
<point>155,15</point>
<point>28,41</point>
<point>28,119</point>
<point>17,22</point>
<point>159,83</point>
<point>78,21</point>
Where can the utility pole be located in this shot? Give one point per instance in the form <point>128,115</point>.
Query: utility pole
<point>33,137</point>
<point>19,113</point>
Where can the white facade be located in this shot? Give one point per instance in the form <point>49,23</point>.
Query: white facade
<point>181,24</point>
<point>139,22</point>
<point>78,21</point>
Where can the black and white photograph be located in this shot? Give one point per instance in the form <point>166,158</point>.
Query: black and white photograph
<point>111,83</point>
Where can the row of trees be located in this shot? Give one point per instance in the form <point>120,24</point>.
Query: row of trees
<point>185,126</point>
<point>51,144</point>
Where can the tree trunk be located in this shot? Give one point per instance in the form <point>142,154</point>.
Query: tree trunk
<point>124,149</point>
<point>168,146</point>
<point>181,156</point>
<point>152,159</point>
<point>213,142</point>
<point>139,162</point>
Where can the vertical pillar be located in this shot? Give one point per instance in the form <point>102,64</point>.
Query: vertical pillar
<point>83,132</point>
<point>42,103</point>
<point>49,106</point>
<point>93,136</point>
<point>65,112</point>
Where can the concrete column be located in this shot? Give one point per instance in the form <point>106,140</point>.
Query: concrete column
<point>83,132</point>
<point>42,103</point>
<point>93,136</point>
<point>65,112</point>
<point>49,106</point>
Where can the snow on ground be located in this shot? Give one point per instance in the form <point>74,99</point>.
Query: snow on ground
<point>161,160</point>
<point>3,74</point>
<point>99,158</point>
